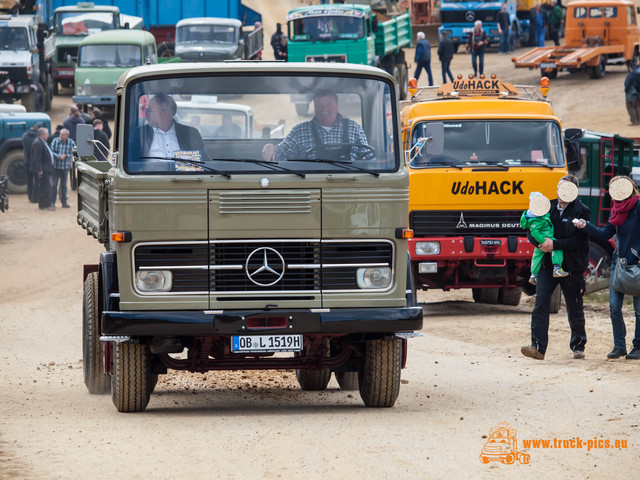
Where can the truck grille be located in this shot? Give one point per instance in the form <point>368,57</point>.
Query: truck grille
<point>470,222</point>
<point>18,75</point>
<point>460,16</point>
<point>232,266</point>
<point>64,51</point>
<point>100,90</point>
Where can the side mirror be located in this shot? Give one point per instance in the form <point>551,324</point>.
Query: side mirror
<point>84,140</point>
<point>374,24</point>
<point>434,139</point>
<point>573,133</point>
<point>127,26</point>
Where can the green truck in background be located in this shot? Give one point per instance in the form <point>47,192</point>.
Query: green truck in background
<point>351,34</point>
<point>75,22</point>
<point>217,259</point>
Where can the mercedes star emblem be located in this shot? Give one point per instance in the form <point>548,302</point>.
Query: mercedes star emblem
<point>264,182</point>
<point>265,266</point>
<point>470,16</point>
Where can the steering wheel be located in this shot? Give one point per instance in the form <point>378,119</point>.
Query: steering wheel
<point>370,152</point>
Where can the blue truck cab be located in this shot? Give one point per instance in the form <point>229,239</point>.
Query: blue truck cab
<point>457,19</point>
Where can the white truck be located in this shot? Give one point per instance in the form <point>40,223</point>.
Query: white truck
<point>26,50</point>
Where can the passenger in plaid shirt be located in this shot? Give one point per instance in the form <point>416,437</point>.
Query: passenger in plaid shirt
<point>326,128</point>
<point>62,148</point>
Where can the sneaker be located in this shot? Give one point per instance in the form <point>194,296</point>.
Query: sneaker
<point>51,208</point>
<point>533,279</point>
<point>578,354</point>
<point>617,353</point>
<point>559,272</point>
<point>634,354</point>
<point>65,205</point>
<point>532,352</point>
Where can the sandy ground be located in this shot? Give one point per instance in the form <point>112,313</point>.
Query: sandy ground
<point>463,377</point>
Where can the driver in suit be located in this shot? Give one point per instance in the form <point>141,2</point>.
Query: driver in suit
<point>329,134</point>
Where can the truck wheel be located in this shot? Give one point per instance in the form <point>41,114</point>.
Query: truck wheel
<point>509,459</point>
<point>13,166</point>
<point>510,296</point>
<point>313,380</point>
<point>404,82</point>
<point>486,295</point>
<point>347,380</point>
<point>302,109</point>
<point>599,70</point>
<point>633,63</point>
<point>379,378</point>
<point>556,300</point>
<point>550,73</point>
<point>131,380</point>
<point>92,353</point>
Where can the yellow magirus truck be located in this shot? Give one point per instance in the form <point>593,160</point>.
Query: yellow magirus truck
<point>476,148</point>
<point>218,257</point>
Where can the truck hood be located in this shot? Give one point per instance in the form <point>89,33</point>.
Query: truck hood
<point>15,58</point>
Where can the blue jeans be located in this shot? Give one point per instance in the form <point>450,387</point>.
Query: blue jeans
<point>59,176</point>
<point>572,289</point>
<point>504,40</point>
<point>427,68</point>
<point>446,70</point>
<point>477,54</point>
<point>617,322</point>
<point>540,33</point>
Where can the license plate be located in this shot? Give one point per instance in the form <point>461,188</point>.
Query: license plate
<point>266,343</point>
<point>547,65</point>
<point>492,243</point>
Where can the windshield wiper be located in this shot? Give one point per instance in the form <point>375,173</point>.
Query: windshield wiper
<point>270,165</point>
<point>346,165</point>
<point>492,166</point>
<point>193,163</point>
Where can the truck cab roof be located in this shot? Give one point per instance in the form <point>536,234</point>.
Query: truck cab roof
<point>232,22</point>
<point>17,21</point>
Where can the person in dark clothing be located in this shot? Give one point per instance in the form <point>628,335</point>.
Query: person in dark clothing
<point>624,223</point>
<point>632,94</point>
<point>98,134</point>
<point>504,27</point>
<point>97,113</point>
<point>539,19</point>
<point>555,22</point>
<point>83,113</point>
<point>55,134</point>
<point>575,245</point>
<point>275,39</point>
<point>281,52</point>
<point>476,45</point>
<point>44,157</point>
<point>423,57</point>
<point>445,54</point>
<point>33,179</point>
<point>72,121</point>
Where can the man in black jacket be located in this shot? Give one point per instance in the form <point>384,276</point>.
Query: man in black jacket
<point>33,180</point>
<point>43,156</point>
<point>575,245</point>
<point>445,54</point>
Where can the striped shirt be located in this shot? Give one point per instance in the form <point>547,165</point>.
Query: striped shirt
<point>59,147</point>
<point>301,138</point>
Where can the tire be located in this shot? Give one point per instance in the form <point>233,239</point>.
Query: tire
<point>484,459</point>
<point>13,166</point>
<point>510,296</point>
<point>132,380</point>
<point>633,63</point>
<point>313,380</point>
<point>556,300</point>
<point>302,109</point>
<point>599,70</point>
<point>509,459</point>
<point>379,378</point>
<point>397,74</point>
<point>404,85</point>
<point>598,269</point>
<point>347,380</point>
<point>92,351</point>
<point>486,295</point>
<point>29,101</point>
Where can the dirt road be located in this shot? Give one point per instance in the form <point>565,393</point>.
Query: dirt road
<point>464,376</point>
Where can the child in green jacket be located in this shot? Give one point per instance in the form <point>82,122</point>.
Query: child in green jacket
<point>538,222</point>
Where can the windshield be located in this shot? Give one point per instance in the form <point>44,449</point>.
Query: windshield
<point>207,33</point>
<point>83,23</point>
<point>14,38</point>
<point>507,143</point>
<point>327,27</point>
<point>247,124</point>
<point>110,56</point>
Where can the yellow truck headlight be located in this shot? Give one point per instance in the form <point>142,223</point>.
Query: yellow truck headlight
<point>154,280</point>
<point>376,277</point>
<point>427,248</point>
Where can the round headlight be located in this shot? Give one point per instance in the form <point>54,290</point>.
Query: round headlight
<point>154,280</point>
<point>376,277</point>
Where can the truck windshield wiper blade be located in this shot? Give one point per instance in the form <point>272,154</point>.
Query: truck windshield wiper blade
<point>270,165</point>
<point>206,168</point>
<point>346,165</point>
<point>493,166</point>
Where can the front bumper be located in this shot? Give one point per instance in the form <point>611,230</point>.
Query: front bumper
<point>314,321</point>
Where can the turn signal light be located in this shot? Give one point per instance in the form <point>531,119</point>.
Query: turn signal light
<point>121,236</point>
<point>404,233</point>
